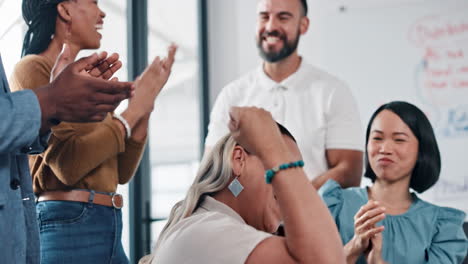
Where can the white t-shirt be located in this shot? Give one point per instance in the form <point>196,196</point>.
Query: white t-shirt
<point>213,234</point>
<point>318,109</point>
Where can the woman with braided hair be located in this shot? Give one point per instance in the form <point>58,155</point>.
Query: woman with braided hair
<point>76,178</point>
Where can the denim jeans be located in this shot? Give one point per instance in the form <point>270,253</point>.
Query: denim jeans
<point>75,232</point>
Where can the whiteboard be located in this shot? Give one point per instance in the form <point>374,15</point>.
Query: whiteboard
<point>416,51</point>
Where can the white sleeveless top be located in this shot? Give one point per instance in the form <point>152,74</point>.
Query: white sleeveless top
<point>213,234</point>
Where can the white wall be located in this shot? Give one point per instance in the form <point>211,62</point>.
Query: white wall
<point>232,51</point>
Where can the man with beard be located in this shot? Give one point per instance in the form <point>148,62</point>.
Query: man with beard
<point>318,109</point>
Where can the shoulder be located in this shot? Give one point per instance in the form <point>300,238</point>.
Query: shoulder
<point>224,234</point>
<point>244,82</point>
<point>33,62</point>
<point>443,213</point>
<point>30,72</point>
<point>318,75</point>
<point>443,218</point>
<point>334,93</point>
<point>448,240</point>
<point>342,202</point>
<point>233,93</point>
<point>448,214</point>
<point>331,190</point>
<point>208,225</point>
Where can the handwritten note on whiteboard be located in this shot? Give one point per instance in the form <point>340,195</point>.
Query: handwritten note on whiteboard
<point>443,76</point>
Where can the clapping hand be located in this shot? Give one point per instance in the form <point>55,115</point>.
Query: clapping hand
<point>365,229</point>
<point>104,67</point>
<point>73,97</point>
<point>374,255</point>
<point>150,83</point>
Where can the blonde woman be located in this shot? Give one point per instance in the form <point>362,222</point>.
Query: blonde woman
<point>231,209</point>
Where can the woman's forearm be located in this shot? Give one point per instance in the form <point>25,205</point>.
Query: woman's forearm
<point>350,253</point>
<point>311,233</point>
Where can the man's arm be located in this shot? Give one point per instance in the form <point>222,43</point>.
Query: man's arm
<point>20,121</point>
<point>344,139</point>
<point>345,167</point>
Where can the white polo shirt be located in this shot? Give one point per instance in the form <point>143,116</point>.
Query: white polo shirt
<point>318,109</point>
<point>213,234</point>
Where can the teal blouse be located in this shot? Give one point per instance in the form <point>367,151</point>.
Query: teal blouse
<point>426,233</point>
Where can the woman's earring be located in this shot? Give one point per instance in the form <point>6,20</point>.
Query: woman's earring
<point>235,187</point>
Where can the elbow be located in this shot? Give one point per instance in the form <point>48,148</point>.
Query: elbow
<point>126,175</point>
<point>124,180</point>
<point>353,180</point>
<point>351,174</point>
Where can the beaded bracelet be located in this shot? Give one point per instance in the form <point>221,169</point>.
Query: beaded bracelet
<point>269,174</point>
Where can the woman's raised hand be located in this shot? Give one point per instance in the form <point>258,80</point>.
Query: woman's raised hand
<point>103,68</point>
<point>152,80</point>
<point>255,130</point>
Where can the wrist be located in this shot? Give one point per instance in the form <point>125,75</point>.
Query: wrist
<point>48,108</point>
<point>132,117</point>
<point>127,129</point>
<point>273,157</point>
<point>352,252</point>
<point>270,174</point>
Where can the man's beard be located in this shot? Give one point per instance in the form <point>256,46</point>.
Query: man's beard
<point>272,56</point>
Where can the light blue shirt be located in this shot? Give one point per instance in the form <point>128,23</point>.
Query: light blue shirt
<point>426,233</point>
<point>19,135</point>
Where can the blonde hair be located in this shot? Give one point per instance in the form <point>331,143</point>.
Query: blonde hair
<point>213,176</point>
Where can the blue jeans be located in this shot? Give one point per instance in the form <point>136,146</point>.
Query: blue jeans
<point>75,232</point>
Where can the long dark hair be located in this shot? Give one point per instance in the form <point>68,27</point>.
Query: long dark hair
<point>427,169</point>
<point>40,17</point>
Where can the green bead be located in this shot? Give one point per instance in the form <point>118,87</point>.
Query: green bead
<point>269,176</point>
<point>270,173</point>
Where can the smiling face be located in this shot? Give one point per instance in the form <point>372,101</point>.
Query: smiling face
<point>279,26</point>
<point>86,20</point>
<point>392,148</point>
